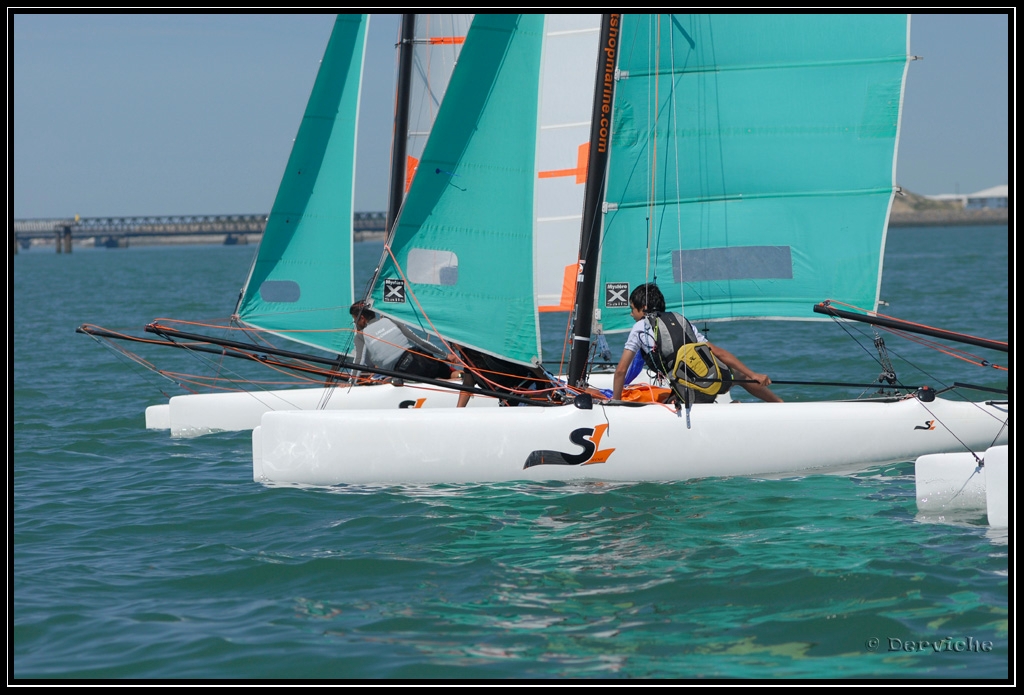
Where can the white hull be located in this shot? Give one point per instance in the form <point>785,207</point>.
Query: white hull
<point>198,414</point>
<point>955,482</point>
<point>158,417</point>
<point>617,443</point>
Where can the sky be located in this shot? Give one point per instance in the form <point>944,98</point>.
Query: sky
<point>180,114</point>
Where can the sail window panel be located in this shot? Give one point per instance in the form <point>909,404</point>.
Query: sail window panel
<point>432,267</point>
<point>282,291</point>
<point>732,263</point>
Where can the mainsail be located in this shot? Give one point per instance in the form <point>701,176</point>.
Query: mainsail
<point>300,285</point>
<point>492,217</point>
<point>752,162</point>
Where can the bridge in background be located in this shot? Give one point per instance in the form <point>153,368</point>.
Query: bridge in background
<point>114,232</point>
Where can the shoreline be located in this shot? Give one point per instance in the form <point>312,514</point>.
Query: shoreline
<point>950,218</point>
<point>917,218</point>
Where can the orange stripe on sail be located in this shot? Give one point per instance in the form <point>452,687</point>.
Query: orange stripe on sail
<point>446,40</point>
<point>411,164</point>
<point>565,302</point>
<point>580,172</point>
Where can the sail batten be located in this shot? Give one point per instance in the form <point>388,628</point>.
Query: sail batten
<point>638,73</point>
<point>666,202</point>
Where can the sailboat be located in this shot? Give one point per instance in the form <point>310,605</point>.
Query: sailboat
<point>562,127</point>
<point>300,285</point>
<point>722,126</point>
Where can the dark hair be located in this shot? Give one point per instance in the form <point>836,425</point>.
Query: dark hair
<point>648,297</point>
<point>359,309</point>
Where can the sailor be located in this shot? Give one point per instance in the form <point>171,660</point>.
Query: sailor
<point>499,375</point>
<point>382,343</point>
<point>647,306</point>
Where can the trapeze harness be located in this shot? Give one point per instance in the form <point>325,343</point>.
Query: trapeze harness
<point>693,372</point>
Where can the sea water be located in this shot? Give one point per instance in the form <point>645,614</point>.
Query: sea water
<point>136,556</point>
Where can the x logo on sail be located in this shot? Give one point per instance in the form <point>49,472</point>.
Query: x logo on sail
<point>615,294</point>
<point>394,291</point>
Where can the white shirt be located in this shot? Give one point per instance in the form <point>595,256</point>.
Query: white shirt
<point>641,337</point>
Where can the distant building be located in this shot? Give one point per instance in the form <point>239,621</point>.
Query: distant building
<point>996,197</point>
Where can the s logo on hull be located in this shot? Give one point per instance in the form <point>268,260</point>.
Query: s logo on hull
<point>587,437</point>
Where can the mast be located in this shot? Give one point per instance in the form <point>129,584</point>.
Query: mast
<point>593,196</point>
<point>396,193</point>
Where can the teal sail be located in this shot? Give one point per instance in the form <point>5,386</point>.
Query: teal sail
<point>460,262</point>
<point>300,285</point>
<point>752,162</point>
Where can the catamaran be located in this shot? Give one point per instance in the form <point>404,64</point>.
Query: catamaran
<point>712,169</point>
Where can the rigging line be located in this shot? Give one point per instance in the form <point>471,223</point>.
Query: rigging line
<point>948,429</point>
<point>197,344</point>
<point>249,353</point>
<point>236,325</point>
<point>675,158</point>
<point>653,47</point>
<point>653,163</point>
<point>996,437</point>
<point>955,353</point>
<point>222,352</point>
<point>255,335</point>
<point>850,335</point>
<point>876,314</point>
<point>423,380</point>
<point>901,385</point>
<point>237,376</point>
<point>905,361</point>
<point>877,360</point>
<point>182,379</point>
<point>131,358</point>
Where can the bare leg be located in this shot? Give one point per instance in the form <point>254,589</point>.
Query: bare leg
<point>464,396</point>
